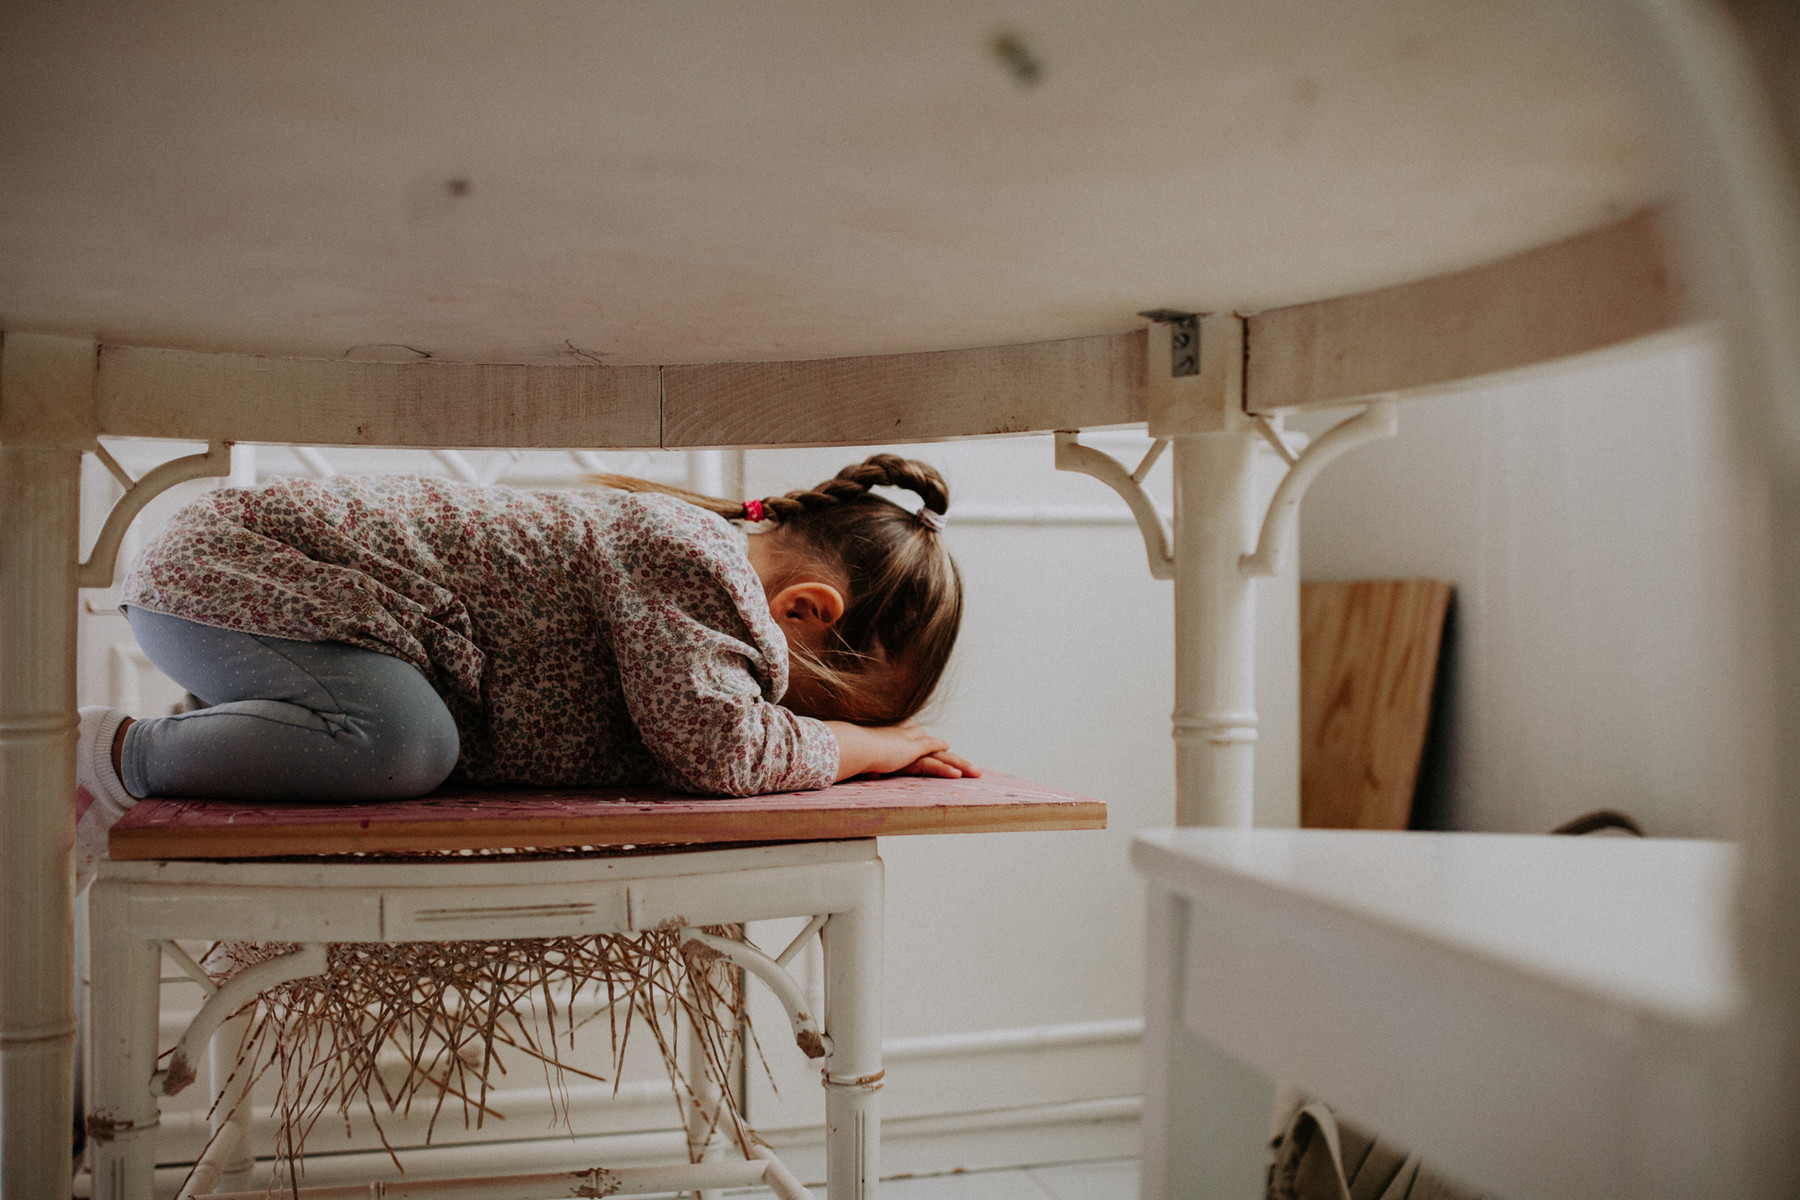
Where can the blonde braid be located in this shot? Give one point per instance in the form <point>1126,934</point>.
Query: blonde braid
<point>853,483</point>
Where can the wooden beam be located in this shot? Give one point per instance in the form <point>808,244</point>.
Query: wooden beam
<point>47,391</point>
<point>1075,383</point>
<point>239,397</point>
<point>1588,292</point>
<point>1598,289</point>
<point>1037,387</point>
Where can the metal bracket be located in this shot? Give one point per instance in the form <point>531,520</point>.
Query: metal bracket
<point>1184,339</point>
<point>1071,455</point>
<point>97,571</point>
<point>1379,420</point>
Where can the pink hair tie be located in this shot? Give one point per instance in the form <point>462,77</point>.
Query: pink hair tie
<point>933,521</point>
<point>753,510</point>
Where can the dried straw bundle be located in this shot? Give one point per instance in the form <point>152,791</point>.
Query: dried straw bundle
<point>425,1022</point>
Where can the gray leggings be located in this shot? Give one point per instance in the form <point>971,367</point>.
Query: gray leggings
<point>288,720</point>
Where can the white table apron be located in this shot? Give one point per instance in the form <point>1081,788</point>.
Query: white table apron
<point>136,906</point>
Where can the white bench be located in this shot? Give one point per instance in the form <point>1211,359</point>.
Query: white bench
<point>212,871</point>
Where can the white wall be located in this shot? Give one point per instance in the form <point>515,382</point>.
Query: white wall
<point>1603,539</point>
<point>1063,674</point>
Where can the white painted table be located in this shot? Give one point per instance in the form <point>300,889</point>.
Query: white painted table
<point>1538,1015</point>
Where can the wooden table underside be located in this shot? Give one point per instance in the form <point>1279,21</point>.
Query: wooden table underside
<point>707,226</point>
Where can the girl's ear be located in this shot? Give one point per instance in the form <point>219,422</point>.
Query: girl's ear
<point>807,609</point>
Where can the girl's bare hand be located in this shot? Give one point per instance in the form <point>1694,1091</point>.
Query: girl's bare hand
<point>943,765</point>
<point>895,749</point>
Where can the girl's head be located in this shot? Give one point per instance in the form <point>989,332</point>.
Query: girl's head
<point>866,593</point>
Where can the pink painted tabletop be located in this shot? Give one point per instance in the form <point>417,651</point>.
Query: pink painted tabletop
<point>488,819</point>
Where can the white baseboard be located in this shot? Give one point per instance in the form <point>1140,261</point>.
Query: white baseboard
<point>943,1077</point>
<point>537,1155</point>
<point>1039,1135</point>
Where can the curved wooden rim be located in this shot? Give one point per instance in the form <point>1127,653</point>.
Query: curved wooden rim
<point>1596,290</point>
<point>1600,289</point>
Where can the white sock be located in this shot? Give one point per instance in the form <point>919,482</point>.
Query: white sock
<point>106,797</point>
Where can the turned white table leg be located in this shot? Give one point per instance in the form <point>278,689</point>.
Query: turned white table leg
<point>39,512</point>
<point>1200,1097</point>
<point>1201,413</point>
<point>853,1070</point>
<point>126,970</point>
<point>1214,723</point>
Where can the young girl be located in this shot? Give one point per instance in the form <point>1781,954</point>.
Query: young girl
<point>363,638</point>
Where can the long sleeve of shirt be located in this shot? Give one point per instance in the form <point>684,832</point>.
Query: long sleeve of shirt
<point>702,713</point>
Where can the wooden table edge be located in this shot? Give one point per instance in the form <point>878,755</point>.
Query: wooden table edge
<point>351,836</point>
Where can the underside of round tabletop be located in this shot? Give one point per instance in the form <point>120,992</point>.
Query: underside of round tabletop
<point>689,183</point>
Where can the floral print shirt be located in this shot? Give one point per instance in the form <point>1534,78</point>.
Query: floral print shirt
<point>579,638</point>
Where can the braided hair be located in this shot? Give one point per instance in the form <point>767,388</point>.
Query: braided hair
<point>884,656</point>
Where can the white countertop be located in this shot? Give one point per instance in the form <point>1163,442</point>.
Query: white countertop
<point>1641,921</point>
<point>1539,1015</point>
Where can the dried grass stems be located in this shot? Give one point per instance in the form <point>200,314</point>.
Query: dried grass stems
<point>390,1028</point>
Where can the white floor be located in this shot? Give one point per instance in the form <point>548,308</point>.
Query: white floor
<point>1111,1179</point>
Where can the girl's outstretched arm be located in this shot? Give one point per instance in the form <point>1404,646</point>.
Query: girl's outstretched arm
<point>896,750</point>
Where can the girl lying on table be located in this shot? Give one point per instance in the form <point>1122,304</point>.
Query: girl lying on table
<point>363,638</point>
